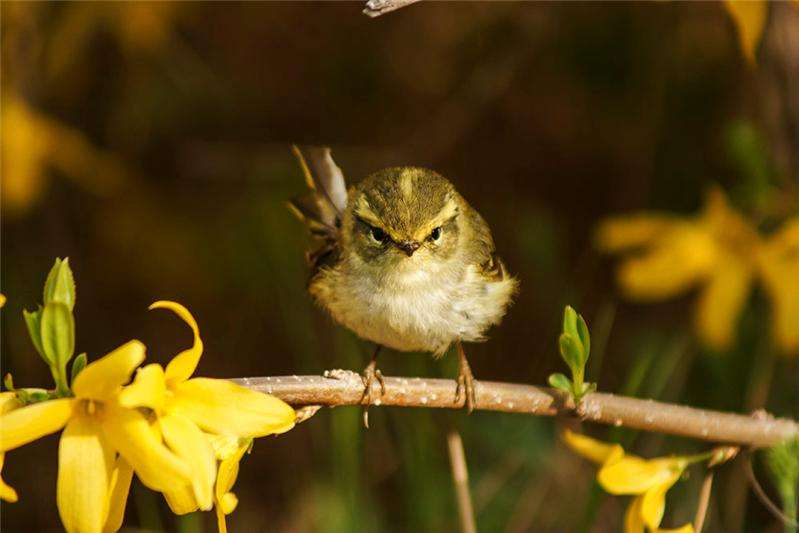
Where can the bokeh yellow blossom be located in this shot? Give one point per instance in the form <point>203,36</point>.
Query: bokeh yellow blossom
<point>625,474</point>
<point>779,269</point>
<point>749,17</point>
<point>92,480</point>
<point>718,252</point>
<point>190,410</point>
<point>39,143</point>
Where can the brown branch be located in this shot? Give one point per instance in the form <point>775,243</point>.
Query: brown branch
<point>343,387</point>
<point>375,8</point>
<point>460,476</point>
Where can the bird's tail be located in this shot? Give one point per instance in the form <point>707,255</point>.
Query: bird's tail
<point>322,206</point>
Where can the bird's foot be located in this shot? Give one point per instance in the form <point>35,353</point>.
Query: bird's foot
<point>371,374</point>
<point>465,389</point>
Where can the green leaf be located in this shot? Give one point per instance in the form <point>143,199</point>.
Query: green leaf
<point>23,396</point>
<point>588,387</point>
<point>37,396</point>
<point>571,351</point>
<point>783,466</point>
<point>584,336</point>
<point>561,382</point>
<point>77,365</point>
<point>58,339</point>
<point>570,322</point>
<point>33,319</point>
<point>60,284</point>
<point>8,381</point>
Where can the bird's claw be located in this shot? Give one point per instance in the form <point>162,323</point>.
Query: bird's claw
<point>465,392</point>
<point>371,374</point>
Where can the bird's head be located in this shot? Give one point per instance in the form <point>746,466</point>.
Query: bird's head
<point>404,217</point>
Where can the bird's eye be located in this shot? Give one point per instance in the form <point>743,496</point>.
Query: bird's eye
<point>435,234</point>
<point>379,235</point>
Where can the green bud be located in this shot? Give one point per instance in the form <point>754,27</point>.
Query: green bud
<point>570,321</point>
<point>585,337</point>
<point>560,382</point>
<point>58,339</point>
<point>8,381</point>
<point>77,365</point>
<point>33,319</point>
<point>571,351</point>
<point>60,285</point>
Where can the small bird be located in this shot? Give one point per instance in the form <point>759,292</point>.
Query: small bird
<point>403,261</point>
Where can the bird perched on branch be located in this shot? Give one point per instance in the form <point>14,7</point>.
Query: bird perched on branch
<point>403,261</point>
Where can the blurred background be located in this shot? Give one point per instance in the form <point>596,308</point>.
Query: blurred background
<point>150,143</point>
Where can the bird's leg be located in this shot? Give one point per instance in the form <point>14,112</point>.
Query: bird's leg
<point>465,381</point>
<point>370,374</point>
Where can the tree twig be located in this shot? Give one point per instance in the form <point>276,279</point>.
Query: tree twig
<point>460,475</point>
<point>375,8</point>
<point>704,501</point>
<point>343,387</point>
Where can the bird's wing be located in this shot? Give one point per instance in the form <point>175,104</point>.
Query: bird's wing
<point>493,268</point>
<point>322,206</point>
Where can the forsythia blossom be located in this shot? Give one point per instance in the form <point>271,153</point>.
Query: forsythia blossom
<point>647,480</point>
<point>101,441</point>
<point>191,411</point>
<point>161,427</point>
<point>719,252</point>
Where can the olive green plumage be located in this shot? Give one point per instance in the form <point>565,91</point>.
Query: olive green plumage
<point>403,260</point>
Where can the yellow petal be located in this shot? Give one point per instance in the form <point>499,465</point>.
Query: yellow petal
<point>653,504</point>
<point>592,449</point>
<point>190,444</point>
<point>182,366</point>
<point>2,300</point>
<point>633,475</point>
<point>9,402</point>
<point>147,390</point>
<point>221,406</point>
<point>85,462</point>
<point>7,493</point>
<point>29,423</point>
<point>617,234</point>
<point>680,259</point>
<point>229,503</point>
<point>226,445</point>
<point>118,495</point>
<point>633,521</point>
<point>181,500</point>
<point>750,19</point>
<point>722,301</point>
<point>221,523</point>
<point>229,471</point>
<point>103,377</point>
<point>779,269</point>
<point>130,433</point>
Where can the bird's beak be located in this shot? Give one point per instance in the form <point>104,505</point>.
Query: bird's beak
<point>408,247</point>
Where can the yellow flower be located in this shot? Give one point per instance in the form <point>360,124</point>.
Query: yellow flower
<point>750,20</point>
<point>92,481</point>
<point>779,269</point>
<point>230,452</point>
<point>8,402</point>
<point>717,251</point>
<point>622,473</point>
<point>189,409</point>
<point>7,493</point>
<point>39,143</point>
